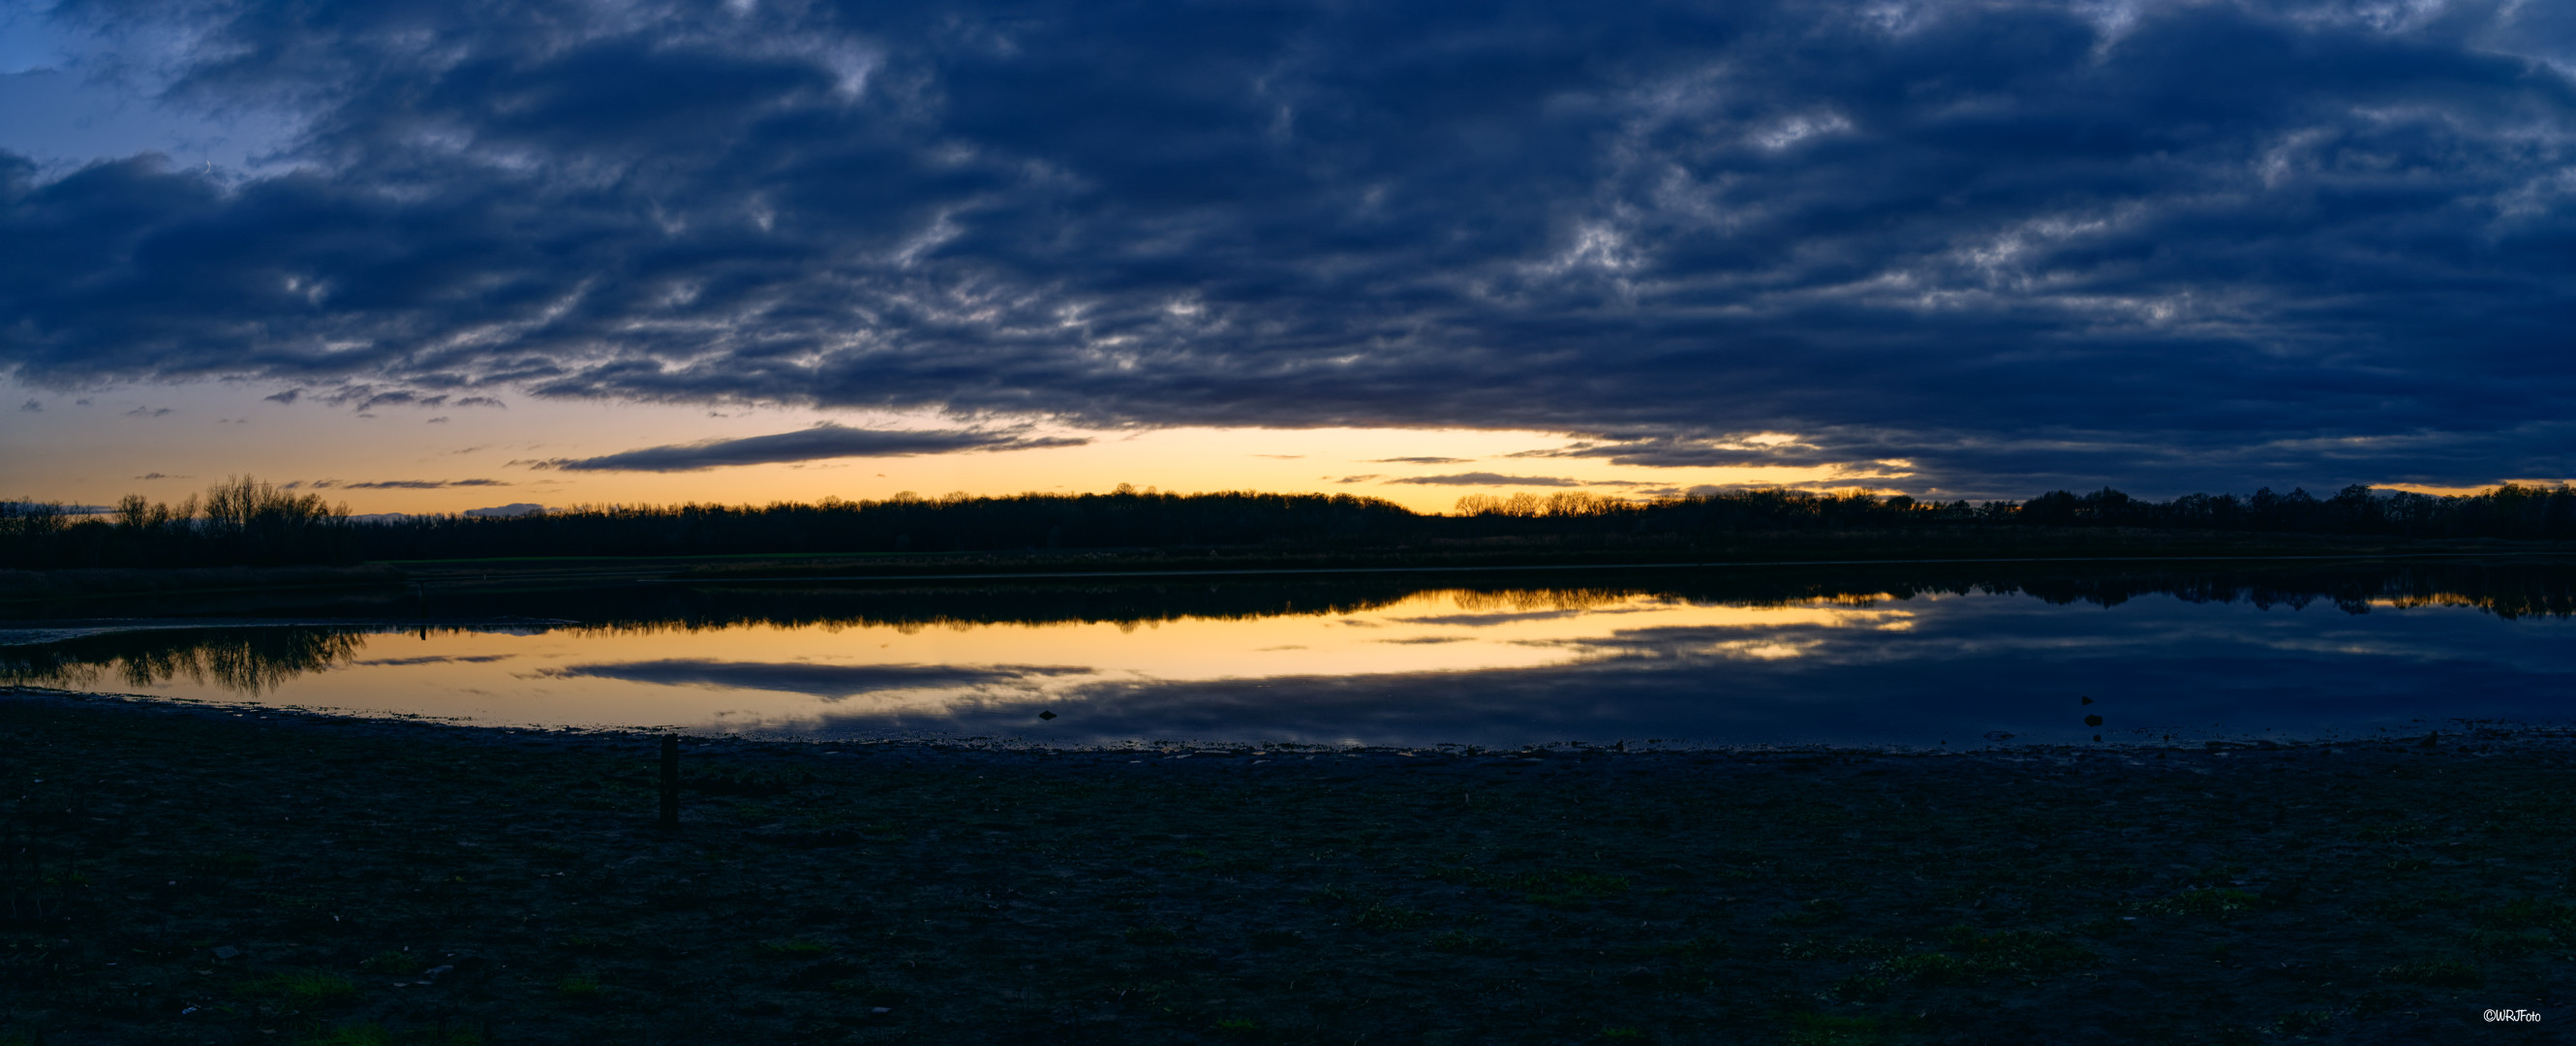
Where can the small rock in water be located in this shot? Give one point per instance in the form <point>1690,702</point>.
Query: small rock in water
<point>1998,735</point>
<point>1046,715</point>
<point>2430,740</point>
<point>226,952</point>
<point>2092,720</point>
<point>2088,700</point>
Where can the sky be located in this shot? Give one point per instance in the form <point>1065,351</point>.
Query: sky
<point>456,255</point>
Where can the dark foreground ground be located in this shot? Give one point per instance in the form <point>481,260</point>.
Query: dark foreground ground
<point>196,876</point>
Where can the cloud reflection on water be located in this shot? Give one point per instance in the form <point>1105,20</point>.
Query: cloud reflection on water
<point>1733,660</point>
<point>828,682</point>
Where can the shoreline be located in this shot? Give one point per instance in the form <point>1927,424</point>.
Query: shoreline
<point>1746,552</point>
<point>1602,567</point>
<point>2518,735</point>
<point>208,874</point>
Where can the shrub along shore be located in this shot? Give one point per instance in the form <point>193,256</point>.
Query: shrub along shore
<point>2101,549</point>
<point>196,874</point>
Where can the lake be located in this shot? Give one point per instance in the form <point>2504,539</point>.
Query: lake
<point>1942,656</point>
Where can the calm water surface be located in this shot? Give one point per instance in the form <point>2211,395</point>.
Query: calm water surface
<point>1906,660</point>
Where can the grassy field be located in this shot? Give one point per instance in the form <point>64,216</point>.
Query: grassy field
<point>200,875</point>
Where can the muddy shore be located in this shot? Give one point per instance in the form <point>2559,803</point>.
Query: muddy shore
<point>181,874</point>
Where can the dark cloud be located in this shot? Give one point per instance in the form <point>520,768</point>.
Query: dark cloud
<point>399,399</point>
<point>32,406</point>
<point>515,508</point>
<point>398,484</point>
<point>1419,461</point>
<point>1357,479</point>
<point>2013,244</point>
<point>820,442</point>
<point>148,412</point>
<point>1674,451</point>
<point>420,484</point>
<point>68,510</point>
<point>1490,479</point>
<point>830,682</point>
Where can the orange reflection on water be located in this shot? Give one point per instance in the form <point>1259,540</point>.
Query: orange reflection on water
<point>777,677</point>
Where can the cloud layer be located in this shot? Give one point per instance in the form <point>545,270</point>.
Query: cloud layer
<point>391,484</point>
<point>1489,479</point>
<point>813,444</point>
<point>2007,242</point>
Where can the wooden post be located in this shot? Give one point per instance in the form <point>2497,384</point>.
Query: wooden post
<point>670,780</point>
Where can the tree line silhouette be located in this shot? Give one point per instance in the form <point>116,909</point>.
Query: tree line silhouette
<point>243,521</point>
